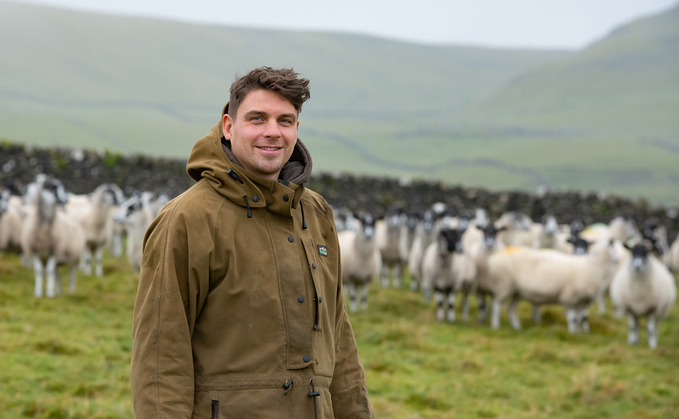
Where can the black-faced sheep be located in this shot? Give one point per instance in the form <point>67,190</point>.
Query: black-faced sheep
<point>643,287</point>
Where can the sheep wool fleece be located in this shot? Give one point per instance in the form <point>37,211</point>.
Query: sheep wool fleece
<point>240,311</point>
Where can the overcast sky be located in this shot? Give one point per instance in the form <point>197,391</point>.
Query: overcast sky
<point>570,24</point>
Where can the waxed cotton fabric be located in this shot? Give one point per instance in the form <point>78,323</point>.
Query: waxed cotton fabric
<point>231,307</point>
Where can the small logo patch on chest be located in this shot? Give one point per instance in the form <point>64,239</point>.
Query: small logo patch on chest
<point>322,250</point>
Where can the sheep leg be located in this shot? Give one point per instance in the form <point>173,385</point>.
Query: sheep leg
<point>513,316</point>
<point>37,269</point>
<point>51,267</point>
<point>440,312</point>
<point>600,302</point>
<point>87,262</point>
<point>426,291</point>
<point>398,276</point>
<point>384,274</point>
<point>465,307</point>
<point>572,319</point>
<point>482,307</point>
<point>99,255</point>
<point>353,304</point>
<point>633,333</point>
<point>451,307</point>
<point>117,245</point>
<point>414,283</point>
<point>364,297</point>
<point>71,278</point>
<point>495,315</point>
<point>584,320</point>
<point>652,329</point>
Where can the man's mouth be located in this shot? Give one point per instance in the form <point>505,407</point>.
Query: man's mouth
<point>269,148</point>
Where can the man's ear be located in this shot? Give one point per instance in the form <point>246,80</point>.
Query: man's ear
<point>227,124</point>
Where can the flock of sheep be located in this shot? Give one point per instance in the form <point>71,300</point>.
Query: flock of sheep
<point>49,227</point>
<point>513,259</point>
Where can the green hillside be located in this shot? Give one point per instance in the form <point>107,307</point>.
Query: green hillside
<point>140,84</point>
<point>601,119</point>
<point>626,84</point>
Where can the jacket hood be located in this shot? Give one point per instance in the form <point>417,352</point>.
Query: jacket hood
<point>211,158</point>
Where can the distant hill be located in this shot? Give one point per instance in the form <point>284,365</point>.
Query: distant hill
<point>625,84</point>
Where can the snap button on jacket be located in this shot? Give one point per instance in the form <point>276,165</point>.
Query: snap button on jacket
<point>228,320</point>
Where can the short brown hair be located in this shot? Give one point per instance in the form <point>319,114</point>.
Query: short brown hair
<point>283,81</point>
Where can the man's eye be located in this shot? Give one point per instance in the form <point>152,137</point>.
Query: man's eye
<point>286,121</point>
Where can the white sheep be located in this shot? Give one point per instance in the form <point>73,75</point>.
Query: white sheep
<point>481,242</point>
<point>446,269</point>
<point>136,216</point>
<point>95,218</point>
<point>518,229</point>
<point>387,236</point>
<point>549,277</point>
<point>425,233</point>
<point>548,235</point>
<point>10,224</point>
<point>51,237</point>
<point>360,258</point>
<point>674,251</point>
<point>643,287</point>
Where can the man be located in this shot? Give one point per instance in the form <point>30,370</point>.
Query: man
<point>240,311</point>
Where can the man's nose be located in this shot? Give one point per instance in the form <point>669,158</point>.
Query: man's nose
<point>271,129</point>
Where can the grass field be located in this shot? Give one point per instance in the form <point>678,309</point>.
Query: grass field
<point>69,358</point>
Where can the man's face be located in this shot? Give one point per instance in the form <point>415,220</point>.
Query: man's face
<point>264,134</point>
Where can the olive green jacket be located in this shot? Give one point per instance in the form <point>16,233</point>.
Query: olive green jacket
<point>240,311</point>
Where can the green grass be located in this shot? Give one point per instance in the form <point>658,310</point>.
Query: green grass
<point>69,357</point>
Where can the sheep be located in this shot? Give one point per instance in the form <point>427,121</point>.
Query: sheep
<point>387,236</point>
<point>643,287</point>
<point>136,216</point>
<point>481,243</point>
<point>623,230</point>
<point>344,220</point>
<point>10,224</point>
<point>657,235</point>
<point>518,231</point>
<point>572,281</point>
<point>51,237</point>
<point>674,251</point>
<point>425,233</point>
<point>407,236</point>
<point>94,218</point>
<point>547,235</point>
<point>447,269</point>
<point>361,259</point>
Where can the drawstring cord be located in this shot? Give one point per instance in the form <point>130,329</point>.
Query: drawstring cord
<point>304,227</point>
<point>287,386</point>
<point>314,393</point>
<point>247,204</point>
<point>234,175</point>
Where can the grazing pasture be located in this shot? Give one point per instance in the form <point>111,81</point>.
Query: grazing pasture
<point>69,357</point>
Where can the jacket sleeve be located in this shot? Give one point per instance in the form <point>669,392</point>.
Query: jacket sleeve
<point>173,284</point>
<point>348,388</point>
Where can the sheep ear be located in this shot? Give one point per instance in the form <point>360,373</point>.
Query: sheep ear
<point>627,246</point>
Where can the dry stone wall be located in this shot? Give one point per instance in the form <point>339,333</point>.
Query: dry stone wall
<point>83,170</point>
